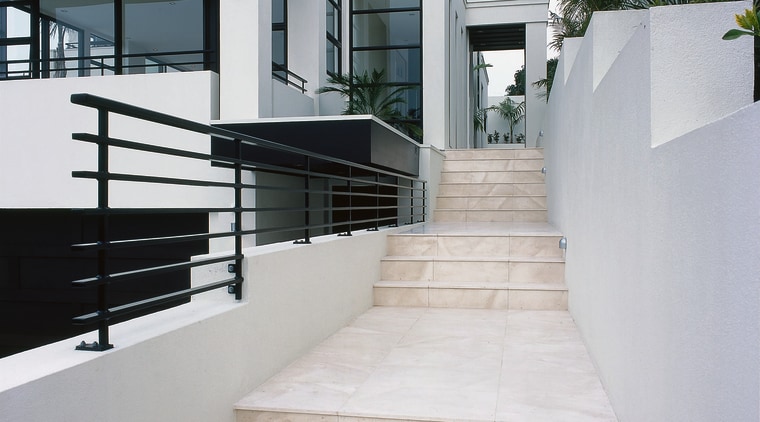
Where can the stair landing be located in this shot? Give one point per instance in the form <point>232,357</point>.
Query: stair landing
<point>426,364</point>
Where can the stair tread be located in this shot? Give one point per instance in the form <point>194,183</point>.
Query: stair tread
<point>424,258</point>
<point>473,285</point>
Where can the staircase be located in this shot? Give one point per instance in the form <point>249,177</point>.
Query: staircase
<point>489,246</point>
<point>421,354</point>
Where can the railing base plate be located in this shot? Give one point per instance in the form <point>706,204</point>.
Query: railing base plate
<point>93,347</point>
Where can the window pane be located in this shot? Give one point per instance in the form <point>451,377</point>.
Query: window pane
<point>384,29</point>
<point>333,57</point>
<point>278,11</point>
<point>384,4</point>
<point>401,66</point>
<point>95,19</point>
<point>153,29</point>
<point>333,21</point>
<point>17,70</point>
<point>63,57</point>
<point>278,47</point>
<point>18,23</point>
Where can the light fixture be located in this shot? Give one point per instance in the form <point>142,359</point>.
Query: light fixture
<point>563,243</point>
<point>543,170</point>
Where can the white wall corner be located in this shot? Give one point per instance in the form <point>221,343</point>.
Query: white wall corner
<point>720,73</point>
<point>610,32</point>
<point>570,48</point>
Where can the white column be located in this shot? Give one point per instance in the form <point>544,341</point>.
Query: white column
<point>245,67</point>
<point>535,69</point>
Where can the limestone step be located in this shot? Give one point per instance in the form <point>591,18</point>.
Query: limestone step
<point>544,245</point>
<point>487,154</point>
<point>477,269</point>
<point>492,202</point>
<point>523,296</point>
<point>487,189</point>
<point>532,164</point>
<point>492,177</point>
<point>465,215</point>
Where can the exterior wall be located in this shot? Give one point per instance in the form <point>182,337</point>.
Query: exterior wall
<point>39,155</point>
<point>193,362</point>
<point>661,219</point>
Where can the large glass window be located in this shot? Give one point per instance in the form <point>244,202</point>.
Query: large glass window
<point>15,40</point>
<point>102,37</point>
<point>334,46</point>
<point>162,36</point>
<point>386,36</point>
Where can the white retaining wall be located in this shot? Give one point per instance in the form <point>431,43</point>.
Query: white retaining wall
<point>193,362</point>
<point>652,151</point>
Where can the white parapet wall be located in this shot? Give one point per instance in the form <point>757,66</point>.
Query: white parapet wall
<point>193,362</point>
<point>652,152</point>
<point>38,154</point>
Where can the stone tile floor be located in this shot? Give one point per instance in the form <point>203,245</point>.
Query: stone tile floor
<point>430,364</point>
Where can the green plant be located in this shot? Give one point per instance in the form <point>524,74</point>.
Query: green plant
<point>490,138</point>
<point>511,111</point>
<point>546,83</point>
<point>520,138</point>
<point>368,93</point>
<point>748,21</point>
<point>479,119</point>
<point>750,24</point>
<point>496,136</point>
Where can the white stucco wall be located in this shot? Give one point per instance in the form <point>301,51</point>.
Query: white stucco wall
<point>37,120</point>
<point>652,155</point>
<point>193,362</point>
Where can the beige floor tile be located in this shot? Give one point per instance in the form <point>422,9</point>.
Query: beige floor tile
<point>393,269</point>
<point>392,296</point>
<point>468,298</point>
<point>473,245</point>
<point>401,245</point>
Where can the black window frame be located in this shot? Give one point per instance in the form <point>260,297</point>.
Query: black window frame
<point>335,39</point>
<point>39,52</point>
<point>417,119</point>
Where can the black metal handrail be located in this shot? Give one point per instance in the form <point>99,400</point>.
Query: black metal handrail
<point>286,76</point>
<point>360,181</point>
<point>98,63</point>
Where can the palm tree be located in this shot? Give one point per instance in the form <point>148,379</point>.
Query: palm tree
<point>512,112</point>
<point>368,93</point>
<point>546,83</point>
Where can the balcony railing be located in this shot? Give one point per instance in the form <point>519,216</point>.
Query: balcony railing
<point>282,74</point>
<point>393,199</point>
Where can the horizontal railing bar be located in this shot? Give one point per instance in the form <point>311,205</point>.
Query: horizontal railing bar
<point>133,243</point>
<point>90,100</point>
<point>141,211</point>
<point>118,311</point>
<point>130,275</point>
<point>122,177</point>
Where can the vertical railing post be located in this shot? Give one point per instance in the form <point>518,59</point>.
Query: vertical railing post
<point>103,342</point>
<point>239,218</point>
<point>377,203</point>
<point>424,201</point>
<point>307,206</point>
<point>350,206</point>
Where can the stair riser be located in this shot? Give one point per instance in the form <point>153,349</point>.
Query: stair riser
<point>492,177</point>
<point>487,189</point>
<point>489,216</point>
<point>473,271</point>
<point>493,203</point>
<point>471,298</point>
<point>518,246</point>
<point>486,154</point>
<point>494,165</point>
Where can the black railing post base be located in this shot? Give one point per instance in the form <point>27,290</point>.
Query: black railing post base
<point>94,346</point>
<point>346,234</point>
<point>373,229</point>
<point>302,242</point>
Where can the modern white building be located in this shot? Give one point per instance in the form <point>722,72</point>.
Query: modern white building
<point>651,150</point>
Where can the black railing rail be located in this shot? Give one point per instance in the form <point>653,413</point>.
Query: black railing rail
<point>287,77</point>
<point>395,198</point>
<point>100,64</point>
